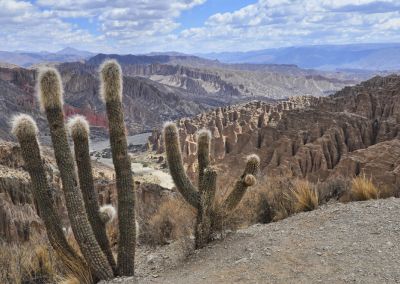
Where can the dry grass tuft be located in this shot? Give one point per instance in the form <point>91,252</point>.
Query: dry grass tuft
<point>69,280</point>
<point>173,220</point>
<point>305,196</point>
<point>362,188</point>
<point>75,268</point>
<point>27,263</point>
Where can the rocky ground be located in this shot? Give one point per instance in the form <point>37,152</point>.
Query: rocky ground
<point>338,243</point>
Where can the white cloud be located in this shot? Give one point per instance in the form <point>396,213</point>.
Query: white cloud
<point>273,23</point>
<point>139,26</point>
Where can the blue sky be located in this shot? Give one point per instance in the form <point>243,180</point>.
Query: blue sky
<point>199,14</point>
<point>191,26</point>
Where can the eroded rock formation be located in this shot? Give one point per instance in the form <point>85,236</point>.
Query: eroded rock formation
<point>349,133</point>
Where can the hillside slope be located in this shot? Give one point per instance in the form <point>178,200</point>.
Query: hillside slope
<point>339,243</point>
<point>200,76</point>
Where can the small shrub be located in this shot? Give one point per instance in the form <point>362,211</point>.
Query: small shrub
<point>336,188</point>
<point>305,196</point>
<point>246,213</point>
<point>279,197</point>
<point>173,220</point>
<point>266,202</point>
<point>362,188</point>
<point>27,263</point>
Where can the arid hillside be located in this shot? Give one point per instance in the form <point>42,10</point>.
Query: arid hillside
<point>351,243</point>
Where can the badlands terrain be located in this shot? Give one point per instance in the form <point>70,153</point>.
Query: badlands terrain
<point>158,88</point>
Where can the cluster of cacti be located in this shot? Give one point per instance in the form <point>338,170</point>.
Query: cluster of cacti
<point>203,199</point>
<point>87,222</point>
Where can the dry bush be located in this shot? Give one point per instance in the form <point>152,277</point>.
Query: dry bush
<point>173,220</point>
<point>269,200</point>
<point>278,194</point>
<point>305,196</point>
<point>253,208</point>
<point>37,262</point>
<point>27,263</point>
<point>275,199</point>
<point>336,188</point>
<point>387,191</point>
<point>362,188</point>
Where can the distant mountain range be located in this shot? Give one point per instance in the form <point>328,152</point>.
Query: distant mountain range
<point>326,57</point>
<point>27,59</point>
<point>350,57</point>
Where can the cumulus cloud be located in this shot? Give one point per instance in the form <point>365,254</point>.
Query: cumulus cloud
<point>273,23</point>
<point>139,26</point>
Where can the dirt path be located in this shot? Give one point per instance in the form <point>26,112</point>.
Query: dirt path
<point>339,243</point>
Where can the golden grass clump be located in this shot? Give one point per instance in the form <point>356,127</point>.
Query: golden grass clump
<point>69,280</point>
<point>27,263</point>
<point>362,188</point>
<point>305,196</point>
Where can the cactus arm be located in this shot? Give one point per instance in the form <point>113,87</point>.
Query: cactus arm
<point>24,128</point>
<point>176,168</point>
<point>79,130</point>
<point>203,153</point>
<point>246,180</point>
<point>111,78</point>
<point>205,211</point>
<point>51,98</point>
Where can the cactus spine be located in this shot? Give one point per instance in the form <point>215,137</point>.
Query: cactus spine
<point>79,131</point>
<point>203,198</point>
<point>111,91</point>
<point>50,94</point>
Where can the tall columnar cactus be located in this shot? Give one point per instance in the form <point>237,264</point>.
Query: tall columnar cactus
<point>87,221</point>
<point>51,99</point>
<point>25,129</point>
<point>79,131</point>
<point>111,91</point>
<point>203,198</point>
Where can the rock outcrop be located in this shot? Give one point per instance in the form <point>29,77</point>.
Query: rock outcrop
<point>17,213</point>
<point>350,133</point>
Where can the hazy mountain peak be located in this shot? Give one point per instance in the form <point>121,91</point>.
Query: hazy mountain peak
<point>73,51</point>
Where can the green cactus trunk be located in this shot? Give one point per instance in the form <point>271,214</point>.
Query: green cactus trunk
<point>207,185</point>
<point>112,93</point>
<point>41,193</point>
<point>176,168</point>
<point>204,219</point>
<point>73,197</point>
<point>203,153</point>
<point>90,196</point>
